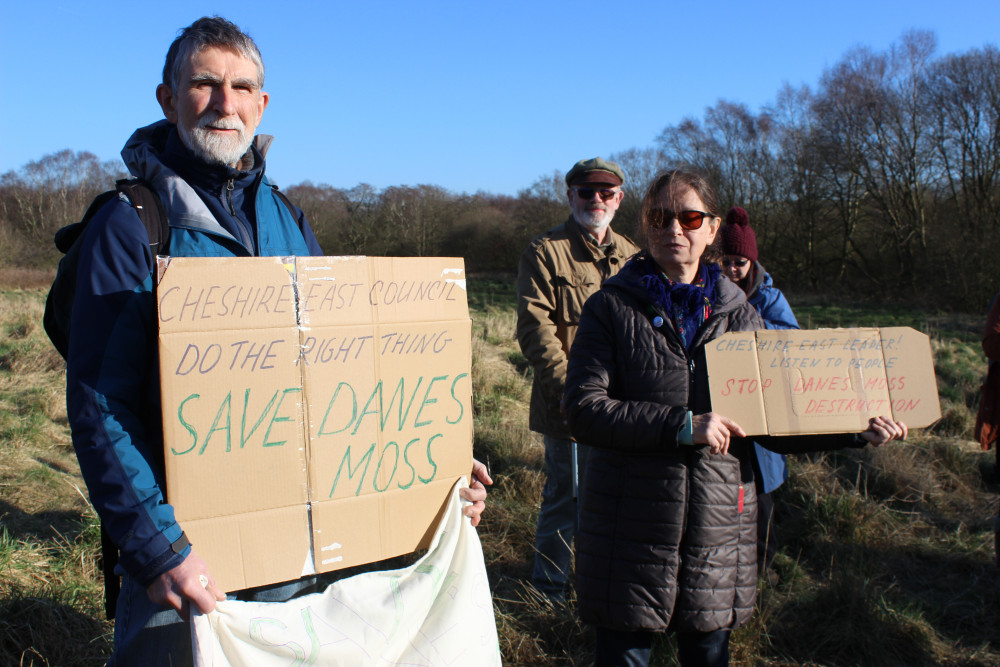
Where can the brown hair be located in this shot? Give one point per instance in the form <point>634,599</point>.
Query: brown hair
<point>674,180</point>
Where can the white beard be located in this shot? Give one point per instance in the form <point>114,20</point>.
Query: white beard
<point>214,148</point>
<point>596,221</point>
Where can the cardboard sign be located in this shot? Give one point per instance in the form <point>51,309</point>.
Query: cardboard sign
<point>316,411</point>
<point>783,382</point>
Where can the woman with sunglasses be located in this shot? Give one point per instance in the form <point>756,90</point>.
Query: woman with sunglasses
<point>668,507</point>
<point>741,265</point>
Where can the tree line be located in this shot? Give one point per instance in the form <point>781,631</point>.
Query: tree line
<point>881,181</point>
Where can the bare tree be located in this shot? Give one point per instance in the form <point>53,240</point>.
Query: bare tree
<point>640,166</point>
<point>806,236</point>
<point>55,190</point>
<point>47,194</point>
<point>879,102</point>
<point>418,218</point>
<point>965,93</point>
<point>326,210</point>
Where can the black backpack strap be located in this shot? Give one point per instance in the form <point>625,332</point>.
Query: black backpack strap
<point>141,196</point>
<point>151,211</point>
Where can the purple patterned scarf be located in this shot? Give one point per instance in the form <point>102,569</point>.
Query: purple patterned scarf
<point>689,304</point>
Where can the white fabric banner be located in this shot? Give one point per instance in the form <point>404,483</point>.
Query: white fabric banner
<point>438,611</point>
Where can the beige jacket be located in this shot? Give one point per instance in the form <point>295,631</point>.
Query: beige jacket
<point>558,272</point>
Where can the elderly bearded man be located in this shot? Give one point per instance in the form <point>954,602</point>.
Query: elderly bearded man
<point>207,166</point>
<point>557,273</point>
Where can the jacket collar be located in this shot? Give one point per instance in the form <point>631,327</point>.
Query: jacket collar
<point>581,236</point>
<point>760,279</point>
<point>161,142</point>
<point>728,296</point>
<point>156,154</point>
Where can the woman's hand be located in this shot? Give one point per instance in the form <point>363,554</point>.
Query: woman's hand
<point>715,431</point>
<point>883,429</point>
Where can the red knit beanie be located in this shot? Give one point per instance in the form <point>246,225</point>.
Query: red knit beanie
<point>737,235</point>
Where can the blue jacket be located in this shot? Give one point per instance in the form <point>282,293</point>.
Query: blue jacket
<point>112,376</point>
<point>777,314</point>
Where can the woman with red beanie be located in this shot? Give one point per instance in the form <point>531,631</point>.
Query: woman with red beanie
<point>740,264</point>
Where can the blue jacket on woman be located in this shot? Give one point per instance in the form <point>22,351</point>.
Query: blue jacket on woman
<point>777,314</point>
<point>113,386</point>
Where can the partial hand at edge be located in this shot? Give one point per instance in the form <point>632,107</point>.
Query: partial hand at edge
<point>716,431</point>
<point>182,585</point>
<point>475,493</point>
<point>883,429</point>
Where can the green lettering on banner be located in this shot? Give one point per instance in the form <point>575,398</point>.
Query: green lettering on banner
<point>377,391</point>
<point>400,406</point>
<point>354,410</point>
<point>226,407</point>
<point>430,459</point>
<point>186,425</point>
<point>461,406</point>
<point>276,418</point>
<point>378,468</point>
<point>406,460</point>
<point>351,471</point>
<point>310,622</point>
<point>427,401</point>
<point>223,421</point>
<point>257,633</point>
<point>401,392</point>
<point>244,437</point>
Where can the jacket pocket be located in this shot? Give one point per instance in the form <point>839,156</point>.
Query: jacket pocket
<point>574,290</point>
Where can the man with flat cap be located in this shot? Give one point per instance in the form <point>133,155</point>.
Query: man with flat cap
<point>558,272</point>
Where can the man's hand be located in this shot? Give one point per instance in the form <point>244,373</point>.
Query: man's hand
<point>182,585</point>
<point>476,491</point>
<point>883,429</point>
<point>714,430</point>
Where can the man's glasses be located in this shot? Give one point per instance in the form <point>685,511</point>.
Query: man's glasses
<point>588,193</point>
<point>734,262</point>
<point>660,218</point>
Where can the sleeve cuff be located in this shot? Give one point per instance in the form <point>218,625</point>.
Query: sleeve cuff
<point>685,436</point>
<point>180,544</point>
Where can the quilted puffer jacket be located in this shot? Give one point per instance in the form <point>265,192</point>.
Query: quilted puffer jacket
<point>667,531</point>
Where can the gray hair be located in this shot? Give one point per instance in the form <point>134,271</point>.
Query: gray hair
<point>203,33</point>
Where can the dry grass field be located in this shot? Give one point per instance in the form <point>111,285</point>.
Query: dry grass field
<point>886,556</point>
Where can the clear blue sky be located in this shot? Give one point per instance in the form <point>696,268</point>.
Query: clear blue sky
<point>466,94</point>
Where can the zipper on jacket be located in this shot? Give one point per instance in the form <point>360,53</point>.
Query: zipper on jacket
<point>244,233</point>
<point>739,502</point>
<point>690,378</point>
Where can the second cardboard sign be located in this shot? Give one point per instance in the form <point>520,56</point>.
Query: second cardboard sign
<point>784,382</point>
